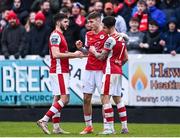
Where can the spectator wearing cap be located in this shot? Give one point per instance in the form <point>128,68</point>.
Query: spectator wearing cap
<point>76,12</point>
<point>38,36</point>
<point>151,39</point>
<point>142,15</point>
<point>170,40</point>
<point>135,37</point>
<point>13,37</point>
<point>120,22</point>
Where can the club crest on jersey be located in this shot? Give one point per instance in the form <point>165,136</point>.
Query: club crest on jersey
<point>90,38</point>
<point>101,36</point>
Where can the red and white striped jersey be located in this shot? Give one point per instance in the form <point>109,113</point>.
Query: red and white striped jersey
<point>116,49</point>
<point>96,40</point>
<point>58,65</point>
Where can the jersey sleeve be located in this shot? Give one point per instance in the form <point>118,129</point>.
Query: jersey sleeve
<point>55,40</point>
<point>109,43</point>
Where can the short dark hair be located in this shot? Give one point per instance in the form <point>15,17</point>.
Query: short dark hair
<point>134,19</point>
<point>142,2</point>
<point>59,17</point>
<point>153,22</point>
<point>64,10</point>
<point>43,1</point>
<point>109,21</point>
<point>94,15</point>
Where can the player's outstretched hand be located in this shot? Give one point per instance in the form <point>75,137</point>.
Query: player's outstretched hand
<point>79,44</point>
<point>78,54</point>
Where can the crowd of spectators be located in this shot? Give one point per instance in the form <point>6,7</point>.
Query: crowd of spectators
<point>152,25</point>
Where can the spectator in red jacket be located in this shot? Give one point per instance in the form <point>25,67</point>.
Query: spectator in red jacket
<point>142,15</point>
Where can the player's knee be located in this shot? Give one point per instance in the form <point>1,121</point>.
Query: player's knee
<point>65,100</point>
<point>117,99</point>
<point>87,99</point>
<point>87,102</point>
<point>105,99</point>
<point>56,98</point>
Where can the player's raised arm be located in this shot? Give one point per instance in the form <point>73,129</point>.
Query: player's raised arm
<point>82,48</point>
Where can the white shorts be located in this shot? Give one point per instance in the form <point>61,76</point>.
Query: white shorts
<point>112,84</point>
<point>91,81</point>
<point>59,83</point>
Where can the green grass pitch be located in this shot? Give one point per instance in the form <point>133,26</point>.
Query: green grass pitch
<point>30,129</point>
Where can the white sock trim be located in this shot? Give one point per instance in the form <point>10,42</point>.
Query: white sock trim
<point>57,115</point>
<point>109,114</point>
<point>45,118</point>
<point>61,103</point>
<point>107,106</point>
<point>122,114</point>
<point>87,117</point>
<point>56,125</point>
<point>120,105</point>
<point>53,109</point>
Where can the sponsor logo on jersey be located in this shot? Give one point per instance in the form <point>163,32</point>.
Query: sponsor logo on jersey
<point>55,39</point>
<point>108,44</point>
